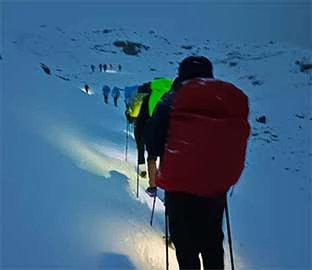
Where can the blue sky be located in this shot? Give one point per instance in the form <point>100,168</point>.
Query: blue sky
<point>244,21</point>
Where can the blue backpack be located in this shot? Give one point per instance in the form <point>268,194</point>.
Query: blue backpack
<point>106,90</point>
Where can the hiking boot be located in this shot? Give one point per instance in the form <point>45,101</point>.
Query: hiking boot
<point>151,191</point>
<point>170,243</point>
<point>142,170</point>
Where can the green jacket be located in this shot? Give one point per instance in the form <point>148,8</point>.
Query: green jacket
<point>155,90</point>
<point>159,87</point>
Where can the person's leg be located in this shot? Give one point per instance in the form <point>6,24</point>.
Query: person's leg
<point>152,169</point>
<point>140,147</point>
<point>212,235</point>
<point>182,228</point>
<point>141,152</point>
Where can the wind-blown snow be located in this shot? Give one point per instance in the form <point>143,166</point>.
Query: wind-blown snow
<point>68,197</point>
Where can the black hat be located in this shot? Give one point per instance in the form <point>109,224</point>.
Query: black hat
<point>195,66</point>
<point>145,88</point>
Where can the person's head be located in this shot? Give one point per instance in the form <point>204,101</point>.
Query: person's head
<point>193,67</point>
<point>145,88</point>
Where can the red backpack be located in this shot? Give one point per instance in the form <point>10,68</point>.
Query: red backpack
<point>207,138</point>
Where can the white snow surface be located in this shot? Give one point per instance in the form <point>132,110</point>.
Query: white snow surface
<point>68,197</point>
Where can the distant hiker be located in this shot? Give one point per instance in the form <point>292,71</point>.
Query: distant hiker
<point>119,67</point>
<point>92,68</point>
<point>106,91</point>
<point>86,87</point>
<point>200,132</point>
<point>115,94</point>
<point>105,67</point>
<point>142,111</point>
<point>100,67</point>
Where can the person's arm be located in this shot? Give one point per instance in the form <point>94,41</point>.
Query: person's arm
<point>155,138</point>
<point>157,127</point>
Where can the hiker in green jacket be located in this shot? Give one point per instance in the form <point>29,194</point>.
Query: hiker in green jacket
<point>158,87</point>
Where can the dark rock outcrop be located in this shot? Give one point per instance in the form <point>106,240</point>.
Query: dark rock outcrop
<point>129,47</point>
<point>45,68</point>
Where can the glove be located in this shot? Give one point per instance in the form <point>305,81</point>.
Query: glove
<point>129,118</point>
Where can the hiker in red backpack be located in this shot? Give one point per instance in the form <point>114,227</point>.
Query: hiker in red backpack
<point>200,131</point>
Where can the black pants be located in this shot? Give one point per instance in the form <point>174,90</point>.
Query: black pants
<point>115,101</point>
<point>105,99</point>
<point>195,226</point>
<point>139,140</point>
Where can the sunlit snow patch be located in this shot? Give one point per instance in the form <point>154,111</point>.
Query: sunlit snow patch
<point>111,71</point>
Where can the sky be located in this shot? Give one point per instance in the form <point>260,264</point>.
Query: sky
<point>244,21</point>
<point>68,197</point>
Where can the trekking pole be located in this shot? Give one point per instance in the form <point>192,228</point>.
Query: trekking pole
<point>127,136</point>
<point>153,210</point>
<point>167,238</point>
<point>138,179</point>
<point>229,232</point>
